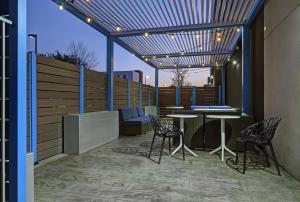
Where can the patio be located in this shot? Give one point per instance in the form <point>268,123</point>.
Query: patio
<point>72,133</point>
<point>119,171</point>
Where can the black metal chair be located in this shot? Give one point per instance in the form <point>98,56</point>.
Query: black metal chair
<point>261,135</point>
<point>164,129</point>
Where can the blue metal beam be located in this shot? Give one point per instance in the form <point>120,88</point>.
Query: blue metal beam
<point>257,6</point>
<point>156,88</point>
<point>81,87</point>
<point>140,94</point>
<point>110,73</point>
<point>223,71</point>
<point>246,69</point>
<point>203,53</point>
<point>17,98</point>
<point>174,29</point>
<point>177,96</point>
<point>33,114</point>
<point>70,8</point>
<point>194,96</point>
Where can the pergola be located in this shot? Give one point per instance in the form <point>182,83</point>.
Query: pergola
<point>170,34</point>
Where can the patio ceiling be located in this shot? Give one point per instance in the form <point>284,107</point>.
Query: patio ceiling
<point>170,33</point>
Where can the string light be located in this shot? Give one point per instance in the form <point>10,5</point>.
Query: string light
<point>189,65</point>
<point>218,34</point>
<point>146,34</point>
<point>87,0</point>
<point>238,29</point>
<point>172,36</point>
<point>197,36</point>
<point>167,56</point>
<point>182,52</point>
<point>133,55</point>
<point>146,59</point>
<point>219,39</point>
<point>234,62</point>
<point>89,20</point>
<point>153,57</point>
<point>61,7</point>
<point>118,28</point>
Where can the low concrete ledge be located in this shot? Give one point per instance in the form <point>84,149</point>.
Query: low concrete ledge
<point>86,131</point>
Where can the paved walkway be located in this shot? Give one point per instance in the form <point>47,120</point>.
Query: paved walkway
<point>119,171</point>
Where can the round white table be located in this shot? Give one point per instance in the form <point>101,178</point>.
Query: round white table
<point>223,145</point>
<point>182,117</point>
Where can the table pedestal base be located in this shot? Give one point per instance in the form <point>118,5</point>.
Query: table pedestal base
<point>223,146</point>
<point>185,147</point>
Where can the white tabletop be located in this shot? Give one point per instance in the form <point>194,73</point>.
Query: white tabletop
<point>223,116</point>
<point>186,116</point>
<point>174,107</point>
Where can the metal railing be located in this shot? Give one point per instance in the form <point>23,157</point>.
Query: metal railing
<point>4,22</point>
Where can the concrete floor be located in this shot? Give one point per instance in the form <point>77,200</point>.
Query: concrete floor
<point>119,171</point>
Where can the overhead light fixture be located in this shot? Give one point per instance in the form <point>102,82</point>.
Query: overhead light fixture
<point>118,28</point>
<point>146,34</point>
<point>146,59</point>
<point>228,59</point>
<point>182,52</point>
<point>153,57</point>
<point>219,39</point>
<point>218,34</point>
<point>197,36</point>
<point>238,29</point>
<point>143,56</point>
<point>190,65</point>
<point>172,36</point>
<point>61,7</point>
<point>87,0</point>
<point>175,65</point>
<point>167,56</point>
<point>160,64</point>
<point>88,20</point>
<point>234,62</point>
<point>265,28</point>
<point>133,55</point>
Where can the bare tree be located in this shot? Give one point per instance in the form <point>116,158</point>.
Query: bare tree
<point>79,52</point>
<point>179,77</point>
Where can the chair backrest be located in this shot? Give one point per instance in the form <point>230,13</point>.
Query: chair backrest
<point>157,125</point>
<point>270,126</point>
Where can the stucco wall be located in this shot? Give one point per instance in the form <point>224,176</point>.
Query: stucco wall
<point>282,78</point>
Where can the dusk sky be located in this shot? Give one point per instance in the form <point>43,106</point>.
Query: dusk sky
<point>56,29</point>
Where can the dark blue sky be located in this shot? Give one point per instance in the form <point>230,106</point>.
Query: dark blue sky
<point>56,29</point>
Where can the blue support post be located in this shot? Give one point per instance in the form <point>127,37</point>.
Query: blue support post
<point>220,94</point>
<point>32,111</point>
<point>246,69</point>
<point>149,96</point>
<point>223,71</point>
<point>156,88</point>
<point>140,94</point>
<point>128,92</point>
<point>110,74</point>
<point>81,87</point>
<point>17,132</point>
<point>177,96</point>
<point>194,96</point>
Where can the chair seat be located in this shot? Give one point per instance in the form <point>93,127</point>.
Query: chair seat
<point>137,121</point>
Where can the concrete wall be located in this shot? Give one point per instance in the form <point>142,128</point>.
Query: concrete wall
<point>282,78</point>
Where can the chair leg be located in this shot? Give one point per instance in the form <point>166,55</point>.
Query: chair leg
<point>161,149</point>
<point>183,154</point>
<point>237,153</point>
<point>151,146</point>
<point>263,149</point>
<point>169,146</point>
<point>245,158</point>
<point>274,157</point>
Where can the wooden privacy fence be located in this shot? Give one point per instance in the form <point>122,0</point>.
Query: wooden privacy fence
<point>58,86</point>
<point>203,96</point>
